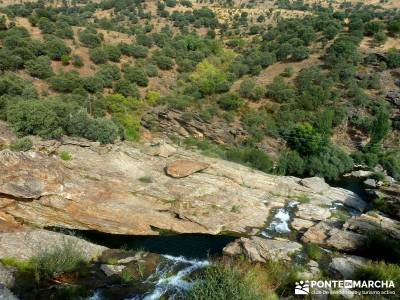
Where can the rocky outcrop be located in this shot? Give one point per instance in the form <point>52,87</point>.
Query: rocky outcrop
<point>346,266</point>
<point>389,195</point>
<point>111,270</point>
<point>374,222</point>
<point>258,249</point>
<point>124,189</point>
<point>28,243</point>
<point>329,234</point>
<point>312,212</point>
<point>7,276</point>
<point>173,121</point>
<point>6,294</point>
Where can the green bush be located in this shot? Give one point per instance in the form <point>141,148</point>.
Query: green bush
<point>230,101</point>
<point>56,47</point>
<point>65,155</point>
<point>136,75</point>
<point>58,259</point>
<point>221,282</point>
<point>40,67</point>
<point>23,144</point>
<point>34,117</point>
<point>98,55</point>
<point>89,38</point>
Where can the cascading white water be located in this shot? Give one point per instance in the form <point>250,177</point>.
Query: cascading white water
<point>280,221</point>
<point>173,283</point>
<point>168,279</point>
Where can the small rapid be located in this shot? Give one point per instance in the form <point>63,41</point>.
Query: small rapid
<point>170,280</point>
<point>280,221</point>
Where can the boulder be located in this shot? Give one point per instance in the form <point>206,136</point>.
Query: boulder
<point>346,266</point>
<point>29,243</point>
<point>7,276</point>
<point>111,270</point>
<point>370,183</point>
<point>300,224</point>
<point>368,223</point>
<point>162,149</point>
<point>316,184</point>
<point>6,294</point>
<point>183,168</point>
<point>359,174</point>
<point>328,234</point>
<point>258,249</point>
<point>312,212</point>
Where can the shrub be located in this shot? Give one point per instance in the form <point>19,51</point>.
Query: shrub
<point>221,282</point>
<point>113,53</point>
<point>89,38</point>
<point>380,271</point>
<point>98,55</point>
<point>40,67</point>
<point>393,58</point>
<point>126,88</point>
<point>77,61</point>
<point>230,101</point>
<point>108,73</point>
<point>163,62</point>
<point>58,259</point>
<point>290,163</point>
<point>209,79</point>
<point>139,51</point>
<point>93,84</point>
<point>23,144</point>
<point>102,130</point>
<point>65,155</point>
<point>56,48</point>
<point>65,82</point>
<point>34,117</point>
<point>136,75</point>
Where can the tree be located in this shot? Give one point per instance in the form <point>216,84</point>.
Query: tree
<point>98,55</point>
<point>127,89</point>
<point>34,117</point>
<point>108,73</point>
<point>56,47</point>
<point>290,163</point>
<point>89,38</point>
<point>40,67</point>
<point>380,126</point>
<point>65,82</point>
<point>305,139</point>
<point>247,87</point>
<point>209,79</point>
<point>163,62</point>
<point>230,101</point>
<point>113,53</point>
<point>93,84</point>
<point>136,75</point>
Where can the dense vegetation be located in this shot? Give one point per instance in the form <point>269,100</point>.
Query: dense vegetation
<point>217,66</point>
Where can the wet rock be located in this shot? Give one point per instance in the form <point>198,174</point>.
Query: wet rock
<point>183,168</point>
<point>316,184</point>
<point>7,276</point>
<point>300,224</point>
<point>111,270</point>
<point>312,212</point>
<point>359,174</point>
<point>370,183</point>
<point>258,249</point>
<point>374,222</point>
<point>6,294</point>
<point>28,243</point>
<point>346,266</point>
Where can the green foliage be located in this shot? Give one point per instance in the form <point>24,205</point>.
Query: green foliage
<point>59,259</point>
<point>136,75</point>
<point>230,101</point>
<point>126,88</point>
<point>89,38</point>
<point>209,79</point>
<point>102,130</point>
<point>65,155</point>
<point>39,67</point>
<point>393,58</point>
<point>23,144</point>
<point>255,158</point>
<point>290,163</point>
<point>65,82</point>
<point>220,282</point>
<point>380,271</point>
<point>391,162</point>
<point>108,73</point>
<point>98,55</point>
<point>34,117</point>
<point>380,126</point>
<point>313,251</point>
<point>93,84</point>
<point>305,139</point>
<point>56,47</point>
<point>279,91</point>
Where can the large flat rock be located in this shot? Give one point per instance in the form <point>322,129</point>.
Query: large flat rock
<point>123,189</point>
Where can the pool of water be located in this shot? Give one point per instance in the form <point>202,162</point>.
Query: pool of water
<point>198,246</point>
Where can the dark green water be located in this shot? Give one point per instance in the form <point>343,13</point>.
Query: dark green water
<point>352,184</point>
<point>198,246</point>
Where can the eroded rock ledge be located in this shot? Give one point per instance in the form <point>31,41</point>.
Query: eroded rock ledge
<point>124,189</point>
